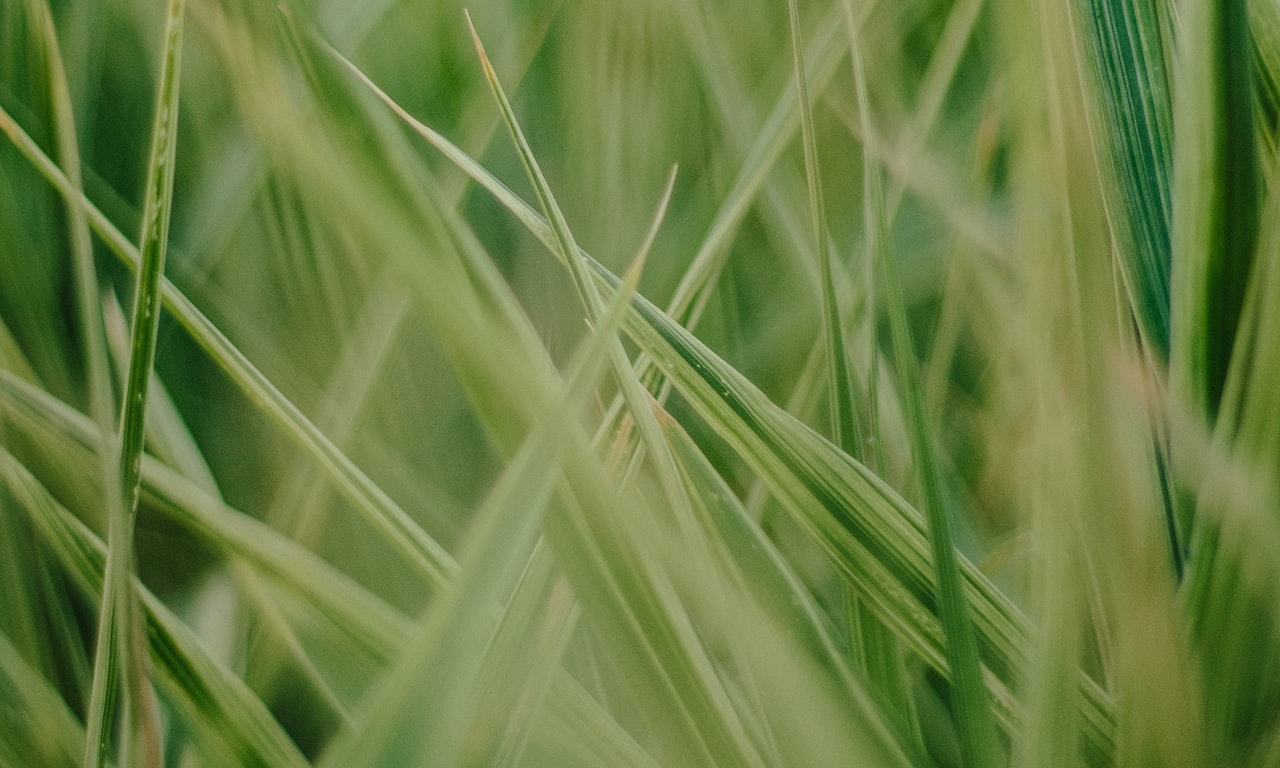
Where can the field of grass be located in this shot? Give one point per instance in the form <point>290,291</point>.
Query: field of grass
<point>655,383</point>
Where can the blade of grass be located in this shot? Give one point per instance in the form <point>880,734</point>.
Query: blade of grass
<point>442,664</point>
<point>167,435</point>
<point>1216,219</point>
<point>1126,59</point>
<point>419,549</point>
<point>369,626</point>
<point>879,651</point>
<point>230,722</point>
<point>119,624</point>
<point>835,497</point>
<point>374,628</point>
<point>520,668</point>
<point>88,308</point>
<point>589,293</point>
<point>1215,198</point>
<point>765,573</point>
<point>1231,618</point>
<point>841,396</point>
<point>559,617</point>
<point>36,727</point>
<point>969,698</point>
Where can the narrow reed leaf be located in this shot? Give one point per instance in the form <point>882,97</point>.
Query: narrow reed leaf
<point>119,624</point>
<point>1216,204</point>
<point>879,651</point>
<point>872,534</point>
<point>374,628</point>
<point>421,714</point>
<point>88,294</point>
<point>841,397</point>
<point>420,550</point>
<point>1125,59</point>
<point>969,698</point>
<point>698,284</point>
<point>515,682</point>
<point>36,728</point>
<point>753,559</point>
<point>221,712</point>
<point>1216,214</point>
<point>589,293</point>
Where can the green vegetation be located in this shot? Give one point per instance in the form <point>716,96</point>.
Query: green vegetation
<point>643,384</point>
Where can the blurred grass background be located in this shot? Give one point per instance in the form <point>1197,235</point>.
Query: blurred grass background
<point>1084,277</point>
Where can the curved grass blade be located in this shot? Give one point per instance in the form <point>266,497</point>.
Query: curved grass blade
<point>1126,63</point>
<point>748,553</point>
<point>36,727</point>
<point>374,627</point>
<point>88,306</point>
<point>969,700</point>
<point>879,651</point>
<point>1216,206</point>
<point>419,549</point>
<point>1216,218</point>
<point>845,430</point>
<point>520,667</point>
<point>589,293</point>
<point>119,626</point>
<point>368,626</point>
<point>224,715</point>
<point>872,534</point>
<point>436,678</point>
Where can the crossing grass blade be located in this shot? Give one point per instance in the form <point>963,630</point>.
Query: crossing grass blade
<point>1216,203</point>
<point>845,430</point>
<point>880,652</point>
<point>1126,62</point>
<point>35,726</point>
<point>633,391</point>
<point>119,625</point>
<point>871,534</point>
<point>1217,216</point>
<point>419,549</point>
<point>373,627</point>
<point>969,698</point>
<point>442,664</point>
<point>224,716</point>
<point>1232,474</point>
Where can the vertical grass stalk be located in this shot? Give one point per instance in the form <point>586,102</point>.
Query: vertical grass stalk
<point>120,647</point>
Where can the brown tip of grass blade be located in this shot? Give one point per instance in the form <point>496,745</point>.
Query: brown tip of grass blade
<point>484,57</point>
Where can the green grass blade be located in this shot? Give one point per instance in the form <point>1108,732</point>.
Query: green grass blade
<point>845,431</point>
<point>36,727</point>
<point>1215,198</point>
<point>520,668</point>
<point>875,536</point>
<point>589,293</point>
<point>88,302</point>
<point>230,722</point>
<point>1126,63</point>
<point>765,573</point>
<point>1217,217</point>
<point>1233,624</point>
<point>423,552</point>
<point>442,664</point>
<point>373,627</point>
<point>118,620</point>
<point>689,300</point>
<point>969,698</point>
<point>367,627</point>
<point>880,653</point>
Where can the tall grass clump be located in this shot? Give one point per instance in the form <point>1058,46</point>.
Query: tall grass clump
<point>640,384</point>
